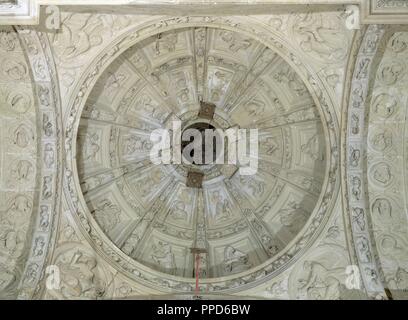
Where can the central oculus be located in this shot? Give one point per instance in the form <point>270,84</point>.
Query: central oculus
<point>208,145</point>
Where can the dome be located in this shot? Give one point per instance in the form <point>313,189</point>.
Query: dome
<point>155,213</point>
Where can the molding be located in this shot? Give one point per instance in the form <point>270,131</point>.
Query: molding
<point>355,186</point>
<point>384,11</point>
<point>19,12</point>
<point>27,12</point>
<point>46,91</point>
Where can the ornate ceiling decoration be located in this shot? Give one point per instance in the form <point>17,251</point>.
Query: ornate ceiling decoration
<point>375,195</point>
<point>242,221</point>
<point>32,155</point>
<point>385,11</point>
<point>243,246</point>
<point>81,196</point>
<point>27,12</point>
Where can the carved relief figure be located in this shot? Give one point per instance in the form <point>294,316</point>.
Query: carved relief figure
<point>166,43</point>
<point>390,72</point>
<point>183,93</point>
<point>270,145</point>
<point>47,125</point>
<point>164,256</point>
<point>223,210</point>
<point>32,273</point>
<point>356,187</point>
<point>11,240</point>
<point>44,217</point>
<point>22,171</point>
<point>114,81</point>
<point>399,42</point>
<point>321,283</point>
<point>358,97</point>
<point>22,136</point>
<point>47,187</point>
<point>151,109</point>
<point>8,40</point>
<point>18,102</point>
<point>179,212</point>
<point>257,188</point>
<point>371,44</point>
<point>135,143</point>
<point>358,218</point>
<point>271,248</point>
<point>382,140</point>
<point>401,278</point>
<point>107,214</point>
<point>294,83</point>
<point>39,245</point>
<point>362,69</point>
<point>7,277</point>
<point>363,249</point>
<point>150,182</point>
<point>355,124</point>
<point>44,95</point>
<point>382,207</point>
<point>79,276</point>
<point>385,105</point>
<point>79,33</point>
<point>372,275</point>
<point>19,207</point>
<point>324,39</point>
<point>382,173</point>
<point>235,260</point>
<point>219,81</point>
<point>354,157</point>
<point>15,70</point>
<point>293,216</point>
<point>235,43</point>
<point>255,108</point>
<point>278,106</point>
<point>90,146</point>
<point>48,155</point>
<point>312,149</point>
<point>131,243</point>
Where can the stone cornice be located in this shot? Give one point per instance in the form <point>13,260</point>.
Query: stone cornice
<point>384,11</point>
<point>27,12</point>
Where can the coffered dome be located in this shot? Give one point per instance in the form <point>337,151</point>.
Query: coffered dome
<point>237,221</point>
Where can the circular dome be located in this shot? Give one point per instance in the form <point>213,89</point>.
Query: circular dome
<point>158,214</point>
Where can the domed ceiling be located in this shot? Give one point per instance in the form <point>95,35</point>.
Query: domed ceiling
<point>238,222</point>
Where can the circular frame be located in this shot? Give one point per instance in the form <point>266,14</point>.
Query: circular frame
<point>240,281</point>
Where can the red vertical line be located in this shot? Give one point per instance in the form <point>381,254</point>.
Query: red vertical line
<point>197,272</point>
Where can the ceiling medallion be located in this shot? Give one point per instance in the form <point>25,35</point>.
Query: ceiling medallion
<point>244,223</point>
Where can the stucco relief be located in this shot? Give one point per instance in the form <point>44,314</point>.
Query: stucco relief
<point>19,156</point>
<point>385,159</point>
<point>358,177</point>
<point>219,206</point>
<point>251,190</point>
<point>47,148</point>
<point>378,206</point>
<point>82,276</point>
<point>80,36</point>
<point>122,234</point>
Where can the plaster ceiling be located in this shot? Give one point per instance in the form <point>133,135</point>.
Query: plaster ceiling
<point>147,210</point>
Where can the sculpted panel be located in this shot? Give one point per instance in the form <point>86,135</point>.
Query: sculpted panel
<point>19,166</point>
<point>386,159</point>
